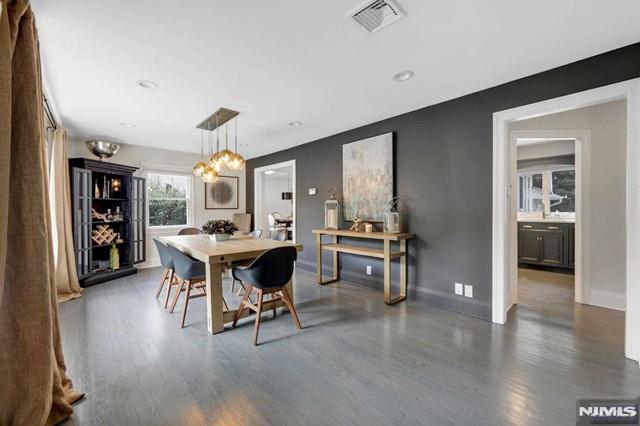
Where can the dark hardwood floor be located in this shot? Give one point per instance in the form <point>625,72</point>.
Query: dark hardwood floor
<point>357,361</point>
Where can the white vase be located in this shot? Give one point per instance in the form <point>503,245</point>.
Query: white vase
<point>219,237</point>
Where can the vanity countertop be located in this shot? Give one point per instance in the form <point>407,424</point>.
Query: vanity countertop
<point>549,220</point>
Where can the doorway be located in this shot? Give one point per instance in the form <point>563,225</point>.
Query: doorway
<point>547,202</point>
<point>550,207</point>
<point>504,271</point>
<point>275,199</point>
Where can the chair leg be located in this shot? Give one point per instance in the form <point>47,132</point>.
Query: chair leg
<point>241,286</point>
<point>162,281</point>
<point>172,276</point>
<point>226,307</point>
<point>242,306</point>
<point>186,304</point>
<point>292,308</point>
<point>258,313</point>
<point>233,283</point>
<point>273,296</point>
<point>177,296</point>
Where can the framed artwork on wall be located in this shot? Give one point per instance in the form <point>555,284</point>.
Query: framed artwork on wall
<point>223,194</point>
<point>367,177</point>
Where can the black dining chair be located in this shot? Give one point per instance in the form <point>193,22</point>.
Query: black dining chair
<point>189,231</point>
<point>257,234</point>
<point>168,275</point>
<point>269,273</point>
<point>191,274</point>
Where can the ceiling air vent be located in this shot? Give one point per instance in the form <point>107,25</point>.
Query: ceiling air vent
<point>377,14</point>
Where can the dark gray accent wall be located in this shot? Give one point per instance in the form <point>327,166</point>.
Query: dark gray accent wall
<point>443,175</point>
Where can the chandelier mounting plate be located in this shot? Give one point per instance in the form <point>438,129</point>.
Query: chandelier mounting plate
<point>218,118</point>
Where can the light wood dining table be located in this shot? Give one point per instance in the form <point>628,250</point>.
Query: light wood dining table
<point>217,256</point>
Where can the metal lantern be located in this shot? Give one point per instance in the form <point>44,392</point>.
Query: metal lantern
<point>392,217</point>
<point>332,211</point>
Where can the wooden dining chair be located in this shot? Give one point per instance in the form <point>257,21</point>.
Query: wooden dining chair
<point>168,274</point>
<point>269,274</point>
<point>189,231</point>
<point>191,274</point>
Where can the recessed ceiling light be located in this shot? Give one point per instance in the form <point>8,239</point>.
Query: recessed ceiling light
<point>147,84</point>
<point>295,124</point>
<point>403,75</point>
<point>128,125</point>
<point>269,172</point>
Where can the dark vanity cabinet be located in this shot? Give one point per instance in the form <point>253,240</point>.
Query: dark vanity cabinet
<point>112,192</point>
<point>546,244</point>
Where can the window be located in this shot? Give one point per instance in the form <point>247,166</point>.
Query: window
<point>168,198</point>
<point>551,190</point>
<point>563,184</point>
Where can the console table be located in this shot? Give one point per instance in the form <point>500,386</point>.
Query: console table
<point>385,253</point>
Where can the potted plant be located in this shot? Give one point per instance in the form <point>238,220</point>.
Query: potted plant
<point>220,229</point>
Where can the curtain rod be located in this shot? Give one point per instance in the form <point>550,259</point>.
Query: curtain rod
<point>47,110</point>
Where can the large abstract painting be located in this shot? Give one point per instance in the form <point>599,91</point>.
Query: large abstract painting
<point>367,177</point>
<point>222,194</point>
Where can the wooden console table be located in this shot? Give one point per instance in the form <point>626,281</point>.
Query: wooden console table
<point>385,253</point>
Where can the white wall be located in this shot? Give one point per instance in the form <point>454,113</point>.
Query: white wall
<point>546,149</point>
<point>607,124</point>
<point>136,156</point>
<point>272,188</point>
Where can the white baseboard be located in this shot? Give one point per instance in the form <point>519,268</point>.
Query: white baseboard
<point>607,299</point>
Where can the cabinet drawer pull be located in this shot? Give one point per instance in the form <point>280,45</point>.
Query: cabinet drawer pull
<point>527,227</point>
<point>552,227</point>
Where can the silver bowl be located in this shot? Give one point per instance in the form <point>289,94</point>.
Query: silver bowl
<point>102,149</point>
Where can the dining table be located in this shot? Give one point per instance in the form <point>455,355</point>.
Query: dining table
<point>219,256</point>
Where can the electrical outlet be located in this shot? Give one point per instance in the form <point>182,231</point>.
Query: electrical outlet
<point>368,269</point>
<point>468,290</point>
<point>459,289</point>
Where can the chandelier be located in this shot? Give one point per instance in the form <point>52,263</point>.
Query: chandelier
<point>209,171</point>
<point>200,166</point>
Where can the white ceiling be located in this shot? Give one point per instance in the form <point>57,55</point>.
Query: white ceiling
<point>280,61</point>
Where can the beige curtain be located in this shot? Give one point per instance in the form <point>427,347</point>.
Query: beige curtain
<point>34,387</point>
<point>66,277</point>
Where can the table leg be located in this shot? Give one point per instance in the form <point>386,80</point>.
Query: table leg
<point>336,269</point>
<point>388,299</point>
<point>387,271</point>
<point>403,269</point>
<point>319,258</point>
<point>215,322</point>
<point>335,274</point>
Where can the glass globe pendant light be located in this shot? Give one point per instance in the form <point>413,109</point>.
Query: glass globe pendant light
<point>226,154</point>
<point>216,160</point>
<point>200,166</point>
<point>209,174</point>
<point>236,162</point>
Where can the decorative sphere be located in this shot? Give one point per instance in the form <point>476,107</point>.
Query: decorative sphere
<point>209,175</point>
<point>236,162</point>
<point>199,167</point>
